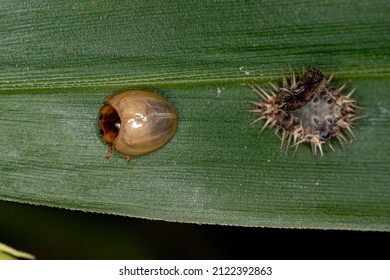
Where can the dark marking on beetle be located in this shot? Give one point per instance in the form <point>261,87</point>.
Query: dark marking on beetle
<point>310,84</point>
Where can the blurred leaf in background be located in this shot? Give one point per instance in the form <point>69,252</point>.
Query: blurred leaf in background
<point>9,253</point>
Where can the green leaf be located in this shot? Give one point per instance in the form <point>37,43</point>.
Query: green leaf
<point>9,253</point>
<point>59,59</point>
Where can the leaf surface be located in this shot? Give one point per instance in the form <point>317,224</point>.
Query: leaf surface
<point>59,59</point>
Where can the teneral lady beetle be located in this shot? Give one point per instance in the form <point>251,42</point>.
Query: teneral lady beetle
<point>137,122</point>
<point>307,110</point>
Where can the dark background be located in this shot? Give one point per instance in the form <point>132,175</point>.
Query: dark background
<point>50,233</point>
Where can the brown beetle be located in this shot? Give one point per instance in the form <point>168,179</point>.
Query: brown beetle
<point>137,122</point>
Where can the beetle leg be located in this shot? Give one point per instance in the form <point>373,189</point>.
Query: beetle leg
<point>110,149</point>
<point>109,152</point>
<point>128,159</point>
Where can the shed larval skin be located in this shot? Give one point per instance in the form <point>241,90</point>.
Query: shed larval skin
<point>306,110</point>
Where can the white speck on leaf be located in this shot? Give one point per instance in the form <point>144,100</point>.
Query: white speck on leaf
<point>242,69</point>
<point>219,91</point>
